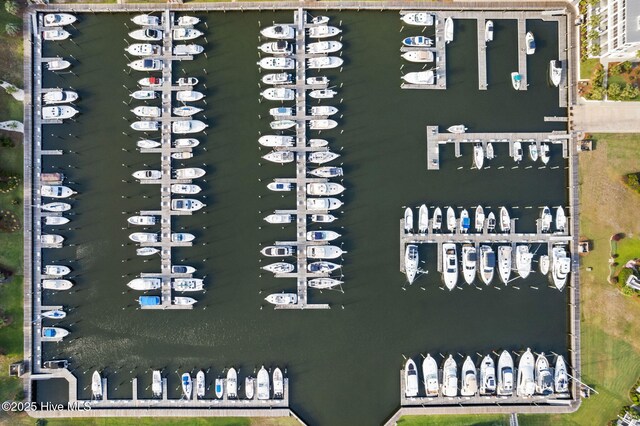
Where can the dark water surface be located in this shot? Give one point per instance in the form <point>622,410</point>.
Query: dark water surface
<point>343,363</point>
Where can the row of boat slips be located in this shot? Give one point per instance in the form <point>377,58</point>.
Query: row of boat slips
<point>482,381</point>
<point>423,50</point>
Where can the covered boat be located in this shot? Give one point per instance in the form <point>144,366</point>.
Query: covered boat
<point>423,78</point>
<point>187,126</point>
<point>418,18</point>
<point>279,31</point>
<point>450,377</point>
<point>410,379</point>
<point>59,97</point>
<point>58,19</point>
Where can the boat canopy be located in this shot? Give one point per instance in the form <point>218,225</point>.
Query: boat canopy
<point>149,300</point>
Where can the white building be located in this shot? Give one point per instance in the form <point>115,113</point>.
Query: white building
<point>620,29</point>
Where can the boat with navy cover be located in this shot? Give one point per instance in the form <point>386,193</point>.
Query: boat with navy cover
<point>465,222</point>
<point>187,385</point>
<point>410,379</point>
<point>530,42</point>
<point>54,314</point>
<point>280,186</point>
<point>417,41</point>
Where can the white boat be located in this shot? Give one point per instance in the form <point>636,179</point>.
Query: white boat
<point>145,126</point>
<point>487,264</point>
<point>322,93</point>
<point>451,219</point>
<point>317,143</point>
<point>417,41</point>
<point>277,251</point>
<point>561,220</point>
<point>411,260</point>
<point>187,284</point>
<point>146,34</point>
<point>450,378</point>
<point>249,387</point>
<point>145,284</point>
<point>526,383</point>
<point>147,111</point>
<point>545,219</point>
<point>144,94</point>
<point>530,43</point>
<point>544,264</point>
<point>505,220</point>
<point>327,172</point>
<point>186,143</point>
<point>178,188</point>
<point>516,80</point>
<point>279,32</point>
<point>278,383</point>
<point>156,383</point>
<point>186,33</point>
<point>51,239</point>
<point>279,218</point>
<point>187,385</point>
<point>418,18</point>
<point>280,267</point>
<point>184,301</point>
<point>56,191</point>
<point>184,155</point>
<point>419,56</point>
<point>465,222</point>
<point>544,378</point>
<point>282,124</point>
<point>322,124</point>
<point>479,219</point>
<point>146,20</point>
<point>318,80</point>
<point>186,111</point>
<point>150,82</point>
<point>187,21</point>
<point>423,78</point>
<point>324,62</point>
<point>561,377</point>
<point>560,266</point>
<point>54,332</point>
<point>56,34</point>
<point>324,47</point>
<point>505,374</point>
<point>219,387</point>
<point>448,30</point>
<point>322,267</point>
<point>555,72</point>
<point>277,63</point>
<point>58,112</point>
<point>457,128</point>
<point>487,376</point>
<point>147,174</point>
<point>282,299</point>
<point>59,97</point>
<point>410,379</point>
<point>408,220</point>
<point>58,19</point>
<point>187,49</point>
<point>321,157</point>
<point>323,218</point>
<point>189,173</point>
<point>55,220</point>
<point>232,383</point>
<point>187,126</point>
<point>533,151</point>
<point>280,186</point>
<point>281,112</point>
<point>322,235</point>
<point>488,31</point>
<point>491,222</point>
<point>478,156</point>
<point>142,220</point>
<point>323,31</point>
<point>430,376</point>
<point>323,283</point>
<point>517,151</point>
<point>504,263</point>
<point>324,189</point>
<point>469,378</point>
<point>144,49</point>
<point>324,252</point>
<point>469,262</point>
<point>544,153</point>
<point>58,65</point>
<point>96,385</point>
<point>437,219</point>
<point>56,270</point>
<point>280,47</point>
<point>423,219</point>
<point>187,81</point>
<point>188,96</point>
<point>179,237</point>
<point>276,141</point>
<point>490,153</point>
<point>144,237</point>
<point>200,384</point>
<point>56,284</point>
<point>523,261</point>
<point>279,94</point>
<point>449,265</point>
<point>319,20</point>
<point>263,384</point>
<point>147,251</point>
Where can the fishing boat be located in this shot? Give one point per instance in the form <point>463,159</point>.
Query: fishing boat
<point>277,63</point>
<point>505,374</point>
<point>186,385</point>
<point>465,222</point>
<point>411,260</point>
<point>232,383</point>
<point>544,264</point>
<point>56,364</point>
<point>437,219</point>
<point>544,379</point>
<point>280,47</point>
<point>322,267</point>
<point>561,220</point>
<point>544,153</point>
<point>56,284</point>
<point>419,56</point>
<point>526,383</point>
<point>56,270</point>
<point>147,174</point>
<point>146,20</point>
<point>249,387</point>
<point>187,81</point>
<point>491,222</point>
<point>504,263</point>
<point>187,284</point>
<point>186,33</point>
<point>321,157</point>
<point>423,219</point>
<point>51,239</point>
<point>156,383</point>
<point>324,62</point>
<point>505,220</point>
<point>278,78</point>
<point>457,128</point>
<point>219,387</point>
<point>278,383</point>
<point>479,219</point>
<point>418,18</point>
<point>318,80</point>
<point>282,298</point>
<point>469,262</point>
<point>186,143</point>
<point>324,252</point>
<point>319,20</point>
<point>451,219</point>
<point>487,264</point>
<point>279,94</point>
<point>58,65</point>
<point>178,237</point>
<point>55,220</point>
<point>144,49</point>
<point>281,157</point>
<point>555,72</point>
<point>280,112</point>
<point>323,47</point>
<point>277,251</point>
<point>54,314</point>
<point>280,267</point>
<point>183,155</point>
<point>58,19</point>
<point>324,189</point>
<point>187,21</point>
<point>560,266</point>
<point>327,172</point>
<point>146,34</point>
<point>59,97</point>
<point>450,377</point>
<point>280,186</point>
<point>516,80</point>
<point>323,283</point>
<point>145,126</point>
<point>144,94</point>
<point>56,34</point>
<point>276,141</point>
<point>182,269</point>
<point>263,384</point>
<point>533,151</point>
<point>448,30</point>
<point>54,333</point>
<point>487,376</point>
<point>490,153</point>
<point>185,189</point>
<point>561,377</point>
<point>517,151</point>
<point>144,237</point>
<point>187,126</point>
<point>279,218</point>
<point>423,78</point>
<point>189,173</point>
<point>56,191</point>
<point>186,111</point>
<point>184,301</point>
<point>449,265</point>
<point>322,235</point>
<point>488,31</point>
<point>417,41</point>
<point>147,251</point>
<point>147,111</point>
<point>430,376</point>
<point>96,385</point>
<point>478,156</point>
<point>187,49</point>
<point>410,379</point>
<point>188,96</point>
<point>323,31</point>
<point>322,93</point>
<point>469,378</point>
<point>279,31</point>
<point>523,261</point>
<point>408,220</point>
<point>282,124</point>
<point>323,218</point>
<point>150,82</point>
<point>58,112</point>
<point>545,219</point>
<point>530,42</point>
<point>200,384</point>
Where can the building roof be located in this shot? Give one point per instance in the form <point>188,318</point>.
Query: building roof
<point>633,21</point>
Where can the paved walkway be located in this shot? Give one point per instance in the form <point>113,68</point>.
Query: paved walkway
<point>606,117</point>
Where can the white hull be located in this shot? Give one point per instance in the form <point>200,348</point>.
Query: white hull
<point>411,261</point>
<point>322,94</point>
<point>423,78</point>
<point>324,47</point>
<point>430,376</point>
<point>487,264</point>
<point>185,189</point>
<point>523,261</point>
<point>145,284</point>
<point>55,220</point>
<point>324,252</point>
<point>143,49</point>
<point>56,207</point>
<point>279,32</point>
<point>448,30</point>
<point>505,374</point>
<point>323,283</point>
<point>469,378</point>
<point>277,78</point>
<point>419,56</point>
<point>423,219</point>
<point>58,65</point>
<point>526,383</point>
<point>418,18</point>
<point>187,126</point>
<point>322,157</point>
<point>324,62</point>
<point>279,94</point>
<point>323,31</point>
<point>469,262</point>
<point>410,379</point>
<point>278,383</point>
<point>450,265</point>
<point>232,383</point>
<point>186,34</point>
<point>263,384</point>
<point>144,94</point>
<point>58,19</point>
<point>324,189</point>
<point>478,156</point>
<point>327,172</point>
<point>146,35</point>
<point>450,378</point>
<point>156,385</point>
<point>59,97</point>
<point>147,111</point>
<point>504,263</point>
<point>58,112</point>
<point>408,220</point>
<point>277,63</point>
<point>56,284</point>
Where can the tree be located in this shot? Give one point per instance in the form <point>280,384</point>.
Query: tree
<point>11,7</point>
<point>11,29</point>
<point>614,91</point>
<point>629,92</point>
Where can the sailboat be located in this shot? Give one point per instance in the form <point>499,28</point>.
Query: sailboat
<point>505,220</point>
<point>544,379</point>
<point>487,264</point>
<point>96,385</point>
<point>561,220</point>
<point>505,374</point>
<point>408,220</point>
<point>450,377</point>
<point>469,261</point>
<point>451,219</point>
<point>478,156</point>
<point>526,383</point>
<point>450,265</point>
<point>411,260</point>
<point>487,376</point>
<point>545,219</point>
<point>430,376</point>
<point>469,378</point>
<point>523,261</point>
<point>410,379</point>
<point>423,219</point>
<point>504,263</point>
<point>479,216</point>
<point>437,219</point>
<point>561,381</point>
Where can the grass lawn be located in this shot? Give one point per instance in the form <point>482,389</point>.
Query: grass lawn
<point>478,420</point>
<point>586,68</point>
<point>628,248</point>
<point>24,420</point>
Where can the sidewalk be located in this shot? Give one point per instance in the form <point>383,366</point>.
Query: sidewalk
<point>607,117</point>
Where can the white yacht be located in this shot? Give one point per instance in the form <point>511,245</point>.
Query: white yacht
<point>504,263</point>
<point>156,383</point>
<point>280,299</point>
<point>187,21</point>
<point>277,63</point>
<point>555,72</point>
<point>487,264</point>
<point>187,49</point>
<point>56,220</point>
<point>280,47</point>
<point>187,204</point>
<point>187,81</point>
<point>517,151</point>
<point>560,266</point>
<point>478,156</point>
<point>421,78</point>
<point>281,112</point>
<point>186,143</point>
<point>276,141</point>
<point>423,219</point>
<point>317,143</point>
<point>319,20</point>
<point>324,47</point>
<point>51,239</point>
<point>505,374</point>
<point>278,384</point>
<point>448,30</point>
<point>323,218</point>
<point>186,111</point>
<point>263,384</point>
<point>147,174</point>
<point>322,93</point>
<point>277,251</point>
<point>282,124</point>
<point>410,379</point>
<point>323,283</point>
<point>232,383</point>
<point>545,219</point>
<point>55,34</point>
<point>323,31</point>
<point>327,172</point>
<point>144,94</point>
<point>516,80</point>
<point>488,31</point>
<point>56,207</point>
<point>200,384</point>
<point>324,62</point>
<point>437,219</point>
<point>188,96</point>
<point>421,19</point>
<point>186,33</point>
<point>465,222</point>
<point>451,219</point>
<point>469,378</point>
<point>318,80</point>
<point>279,32</point>
<point>526,383</point>
<point>323,267</point>
<point>150,82</point>
<point>544,379</point>
<point>561,220</point>
<point>279,94</point>
<point>450,265</point>
<point>279,218</point>
<point>144,49</point>
<point>450,377</point>
<point>54,333</point>
<point>430,376</point>
<point>417,41</point>
<point>58,19</point>
<point>469,262</point>
<point>490,154</point>
<point>184,155</point>
<point>187,126</point>
<point>96,385</point>
<point>59,97</point>
<point>180,237</point>
<point>56,270</point>
<point>277,78</point>
<point>419,56</point>
<point>322,235</point>
<point>187,284</point>
<point>487,376</point>
<point>457,128</point>
<point>280,186</point>
<point>321,157</point>
<point>182,269</point>
<point>324,189</point>
<point>56,284</point>
<point>146,35</point>
<point>544,153</point>
<point>322,124</point>
<point>324,252</point>
<point>145,126</point>
<point>249,387</point>
<point>530,43</point>
<point>479,219</point>
<point>189,173</point>
<point>561,377</point>
<point>411,260</point>
<point>408,220</point>
<point>533,152</point>
<point>187,386</point>
<point>184,301</point>
<point>545,263</point>
<point>505,220</point>
<point>491,222</point>
<point>323,203</point>
<point>58,112</point>
<point>144,237</point>
<point>146,20</point>
<point>281,157</point>
<point>523,261</point>
<point>58,65</point>
<point>147,251</point>
<point>147,111</point>
<point>56,191</point>
<point>145,284</point>
<point>280,267</point>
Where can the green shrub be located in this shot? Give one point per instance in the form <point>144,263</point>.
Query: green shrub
<point>6,142</point>
<point>614,91</point>
<point>623,275</point>
<point>633,181</point>
<point>11,7</point>
<point>11,29</point>
<point>629,92</point>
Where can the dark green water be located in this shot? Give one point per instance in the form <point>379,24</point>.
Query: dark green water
<point>343,364</point>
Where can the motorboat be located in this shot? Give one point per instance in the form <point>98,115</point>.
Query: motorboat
<point>200,384</point>
<point>150,82</point>
<point>545,219</point>
<point>505,220</point>
<point>144,95</point>
<point>418,18</point>
<point>280,267</point>
<point>187,126</point>
<point>56,191</point>
<point>516,80</point>
<point>282,298</point>
<point>232,383</point>
<point>323,283</point>
<point>182,269</point>
<point>279,94</point>
<point>505,374</point>
<point>59,97</point>
<point>58,112</point>
<point>487,376</point>
<point>219,387</point>
<point>408,220</point>
<point>278,383</point>
<point>54,332</point>
<point>530,42</point>
<point>324,252</point>
<point>451,219</point>
<point>187,49</point>
<point>490,154</point>
<point>419,56</point>
<point>186,33</point>
<point>491,222</point>
<point>450,265</point>
<point>410,379</point>
<point>184,301</point>
<point>187,81</point>
<point>478,156</point>
<point>145,126</point>
<point>430,376</point>
<point>55,34</point>
<point>145,284</point>
<point>322,93</point>
<point>321,157</point>
<point>488,31</point>
<point>517,151</point>
<point>448,30</point>
<point>182,237</point>
<point>317,80</point>
<point>544,379</point>
<point>55,220</point>
<point>327,172</point>
<point>144,237</point>
<point>146,34</point>
<point>417,41</point>
<point>147,251</point>
<point>279,218</point>
<point>322,124</point>
<point>487,264</point>
<point>411,260</point>
<point>56,364</point>
<point>277,251</point>
<point>323,218</point>
<point>560,266</point>
<point>186,143</point>
<point>561,377</point>
<point>280,47</point>
<point>183,155</point>
<point>555,72</point>
<point>144,49</point>
<point>49,239</point>
<point>282,124</point>
<point>324,189</point>
<point>58,65</point>
<point>280,186</point>
<point>186,385</point>
<point>188,96</point>
<point>544,264</point>
<point>147,174</point>
<point>319,20</point>
<point>147,111</point>
<point>523,261</point>
<point>465,222</point>
<point>423,219</point>
<point>187,284</point>
<point>324,62</point>
<point>277,63</point>
<point>187,21</point>
<point>189,173</point>
<point>323,31</point>
<point>281,112</point>
<point>249,387</point>
<point>323,47</point>
<point>544,153</point>
<point>469,378</point>
<point>274,141</point>
<point>504,263</point>
<point>96,385</point>
<point>561,220</point>
<point>469,262</point>
<point>263,384</point>
<point>317,143</point>
<point>56,284</point>
<point>526,383</point>
<point>56,270</point>
<point>457,128</point>
<point>58,19</point>
<point>533,151</point>
<point>156,383</point>
<point>437,219</point>
<point>479,219</point>
<point>279,32</point>
<point>186,111</point>
<point>322,267</point>
<point>424,78</point>
<point>450,377</point>
<point>281,157</point>
<point>322,235</point>
<point>146,20</point>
